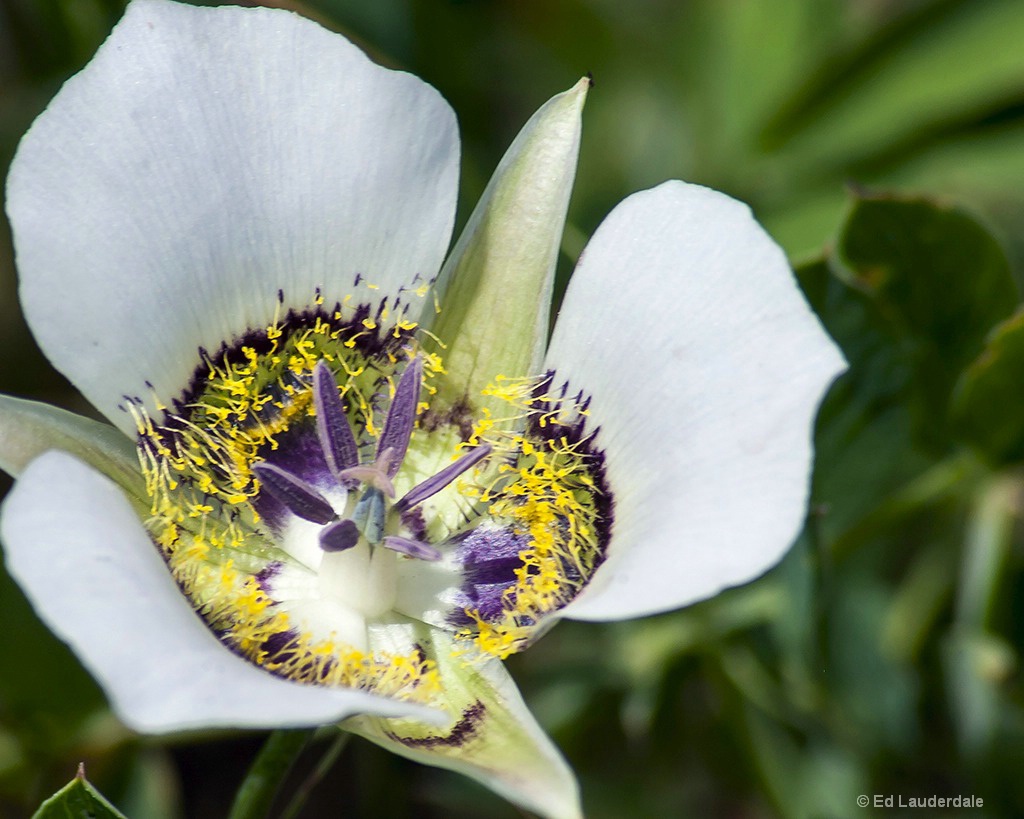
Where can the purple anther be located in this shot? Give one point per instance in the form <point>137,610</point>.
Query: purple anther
<point>401,417</point>
<point>301,498</point>
<point>339,536</point>
<point>413,548</point>
<point>336,438</point>
<point>435,483</point>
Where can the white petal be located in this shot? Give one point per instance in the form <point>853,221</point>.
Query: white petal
<point>76,548</point>
<point>706,367</point>
<point>205,158</point>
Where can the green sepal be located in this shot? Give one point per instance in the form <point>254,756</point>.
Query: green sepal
<point>77,800</point>
<point>491,737</point>
<point>29,428</point>
<point>495,289</point>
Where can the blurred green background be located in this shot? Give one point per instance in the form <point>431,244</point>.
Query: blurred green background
<point>882,143</point>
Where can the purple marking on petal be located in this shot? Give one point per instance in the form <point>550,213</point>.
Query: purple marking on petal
<point>487,543</point>
<point>467,727</point>
<point>299,452</point>
<point>371,345</point>
<point>496,570</point>
<point>414,522</point>
<point>486,601</point>
<point>339,536</point>
<point>489,558</point>
<point>264,576</point>
<point>295,493</point>
<point>401,416</point>
<point>413,548</point>
<point>274,514</point>
<point>332,426</point>
<point>434,484</point>
<point>280,647</point>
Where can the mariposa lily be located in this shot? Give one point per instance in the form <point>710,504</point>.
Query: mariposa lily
<point>346,477</point>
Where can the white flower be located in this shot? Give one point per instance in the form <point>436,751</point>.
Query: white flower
<point>227,228</point>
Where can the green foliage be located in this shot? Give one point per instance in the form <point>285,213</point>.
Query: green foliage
<point>77,800</point>
<point>916,532</point>
<point>937,280</point>
<point>993,383</point>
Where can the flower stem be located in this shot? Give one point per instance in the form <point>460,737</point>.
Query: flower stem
<point>256,794</point>
<point>319,772</point>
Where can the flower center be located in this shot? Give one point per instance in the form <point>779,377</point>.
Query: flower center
<point>323,509</point>
<point>370,514</point>
<point>368,517</point>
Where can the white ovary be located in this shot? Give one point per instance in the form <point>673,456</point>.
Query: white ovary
<point>332,595</point>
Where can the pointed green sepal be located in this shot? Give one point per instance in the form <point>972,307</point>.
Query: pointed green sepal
<point>77,799</point>
<point>496,286</point>
<point>28,429</point>
<point>491,737</point>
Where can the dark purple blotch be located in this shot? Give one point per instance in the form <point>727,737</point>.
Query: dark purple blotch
<point>489,558</point>
<point>462,732</point>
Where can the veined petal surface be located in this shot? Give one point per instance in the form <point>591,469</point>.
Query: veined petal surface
<point>76,547</point>
<point>204,160</point>
<point>491,736</point>
<point>497,282</point>
<point>705,367</point>
<point>30,428</point>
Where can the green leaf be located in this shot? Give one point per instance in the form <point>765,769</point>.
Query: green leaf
<point>989,387</point>
<point>879,694</point>
<point>988,544</point>
<point>29,428</point>
<point>939,282</point>
<point>978,667</point>
<point>865,411</point>
<point>741,61</point>
<point>152,789</point>
<point>947,66</point>
<point>77,800</point>
<point>909,295</point>
<point>813,778</point>
<point>496,286</point>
